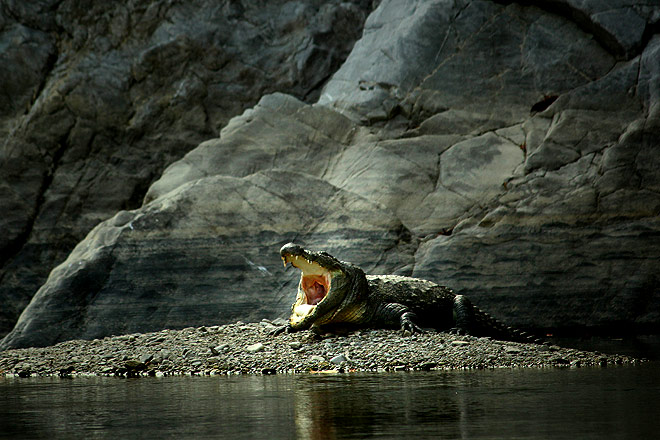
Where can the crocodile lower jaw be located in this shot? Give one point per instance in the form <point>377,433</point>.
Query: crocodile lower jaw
<point>300,312</point>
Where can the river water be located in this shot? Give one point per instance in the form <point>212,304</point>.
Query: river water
<point>582,403</point>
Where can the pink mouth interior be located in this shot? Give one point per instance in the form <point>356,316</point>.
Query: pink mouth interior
<point>315,288</point>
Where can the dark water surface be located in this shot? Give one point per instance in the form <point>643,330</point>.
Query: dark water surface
<point>584,403</point>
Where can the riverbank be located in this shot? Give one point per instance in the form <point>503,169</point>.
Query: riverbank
<point>242,348</point>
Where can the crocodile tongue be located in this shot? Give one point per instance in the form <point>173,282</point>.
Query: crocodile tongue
<point>315,288</point>
<point>314,279</point>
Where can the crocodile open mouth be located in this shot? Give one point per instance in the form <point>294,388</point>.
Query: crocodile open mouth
<point>315,280</point>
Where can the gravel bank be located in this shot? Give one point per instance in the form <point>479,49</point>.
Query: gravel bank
<point>249,349</point>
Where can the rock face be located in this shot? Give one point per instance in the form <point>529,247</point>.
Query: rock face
<point>97,99</point>
<point>505,149</point>
<point>203,251</point>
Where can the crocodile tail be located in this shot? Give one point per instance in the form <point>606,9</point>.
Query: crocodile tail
<point>486,325</point>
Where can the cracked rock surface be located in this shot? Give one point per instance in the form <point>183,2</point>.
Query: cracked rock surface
<point>96,100</point>
<point>505,149</point>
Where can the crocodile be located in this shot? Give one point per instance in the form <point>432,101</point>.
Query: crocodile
<point>336,295</point>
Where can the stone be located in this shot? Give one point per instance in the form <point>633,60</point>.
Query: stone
<point>338,359</point>
<point>134,365</point>
<point>459,343</point>
<point>255,348</point>
<point>295,345</point>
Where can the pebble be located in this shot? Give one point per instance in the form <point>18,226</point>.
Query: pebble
<point>459,343</point>
<point>338,359</point>
<point>254,348</point>
<point>241,349</point>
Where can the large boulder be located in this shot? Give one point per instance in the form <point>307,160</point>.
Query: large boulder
<point>96,99</point>
<point>546,211</point>
<point>207,252</point>
<point>503,149</point>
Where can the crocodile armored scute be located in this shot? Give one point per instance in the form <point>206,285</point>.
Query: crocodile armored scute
<point>335,294</point>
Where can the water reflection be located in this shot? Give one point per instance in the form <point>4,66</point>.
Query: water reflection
<point>359,407</point>
<point>588,403</point>
<point>553,403</point>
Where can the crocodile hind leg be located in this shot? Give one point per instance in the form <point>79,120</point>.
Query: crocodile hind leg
<point>393,314</point>
<point>463,312</point>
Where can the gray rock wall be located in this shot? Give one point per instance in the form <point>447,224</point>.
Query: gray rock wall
<point>97,98</point>
<point>551,198</point>
<point>506,149</point>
